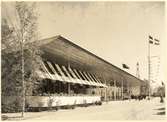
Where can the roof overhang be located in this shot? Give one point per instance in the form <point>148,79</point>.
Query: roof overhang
<point>62,51</point>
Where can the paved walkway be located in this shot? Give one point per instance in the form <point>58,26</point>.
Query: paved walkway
<point>114,110</point>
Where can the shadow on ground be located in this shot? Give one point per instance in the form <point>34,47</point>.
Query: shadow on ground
<point>4,117</point>
<point>160,108</point>
<point>7,118</point>
<point>161,111</point>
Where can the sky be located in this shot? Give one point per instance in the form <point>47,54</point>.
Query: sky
<point>115,31</point>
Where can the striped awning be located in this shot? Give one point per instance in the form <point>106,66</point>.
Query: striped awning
<point>67,74</point>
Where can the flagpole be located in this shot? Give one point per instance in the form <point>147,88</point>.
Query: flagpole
<point>122,89</point>
<point>149,68</point>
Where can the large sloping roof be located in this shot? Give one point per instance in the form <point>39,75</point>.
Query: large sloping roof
<point>65,52</point>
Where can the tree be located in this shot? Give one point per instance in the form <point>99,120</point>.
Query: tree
<point>20,57</point>
<point>7,36</point>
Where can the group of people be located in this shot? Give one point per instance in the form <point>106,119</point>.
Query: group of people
<point>139,97</point>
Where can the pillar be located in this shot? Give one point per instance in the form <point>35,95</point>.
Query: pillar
<point>122,90</point>
<point>105,97</point>
<point>115,90</point>
<point>69,89</point>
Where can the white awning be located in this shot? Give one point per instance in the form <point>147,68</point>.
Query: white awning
<point>76,78</point>
<point>73,76</point>
<point>98,84</point>
<point>55,73</point>
<point>46,70</point>
<point>73,80</point>
<point>90,78</point>
<point>82,81</point>
<point>91,81</point>
<point>66,79</point>
<point>87,82</point>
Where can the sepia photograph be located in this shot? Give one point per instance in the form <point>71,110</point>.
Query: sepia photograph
<point>83,60</point>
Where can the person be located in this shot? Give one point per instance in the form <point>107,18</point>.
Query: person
<point>161,99</point>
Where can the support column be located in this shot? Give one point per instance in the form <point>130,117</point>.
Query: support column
<point>69,89</point>
<point>122,91</point>
<point>128,88</point>
<point>105,97</point>
<point>149,68</point>
<point>115,90</point>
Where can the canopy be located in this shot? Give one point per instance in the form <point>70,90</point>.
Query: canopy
<point>64,52</point>
<point>56,72</point>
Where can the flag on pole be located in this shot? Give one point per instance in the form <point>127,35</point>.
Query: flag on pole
<point>153,40</point>
<point>156,42</point>
<point>150,37</point>
<point>125,66</point>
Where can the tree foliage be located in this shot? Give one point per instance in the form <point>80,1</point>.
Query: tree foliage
<point>12,39</point>
<point>7,36</point>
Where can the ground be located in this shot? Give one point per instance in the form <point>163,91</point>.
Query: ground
<point>114,110</point>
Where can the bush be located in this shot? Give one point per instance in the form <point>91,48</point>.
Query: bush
<point>11,108</point>
<point>4,117</point>
<point>14,106</point>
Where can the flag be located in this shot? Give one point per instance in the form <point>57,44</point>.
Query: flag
<point>150,37</point>
<point>156,42</point>
<point>153,40</point>
<point>125,66</point>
